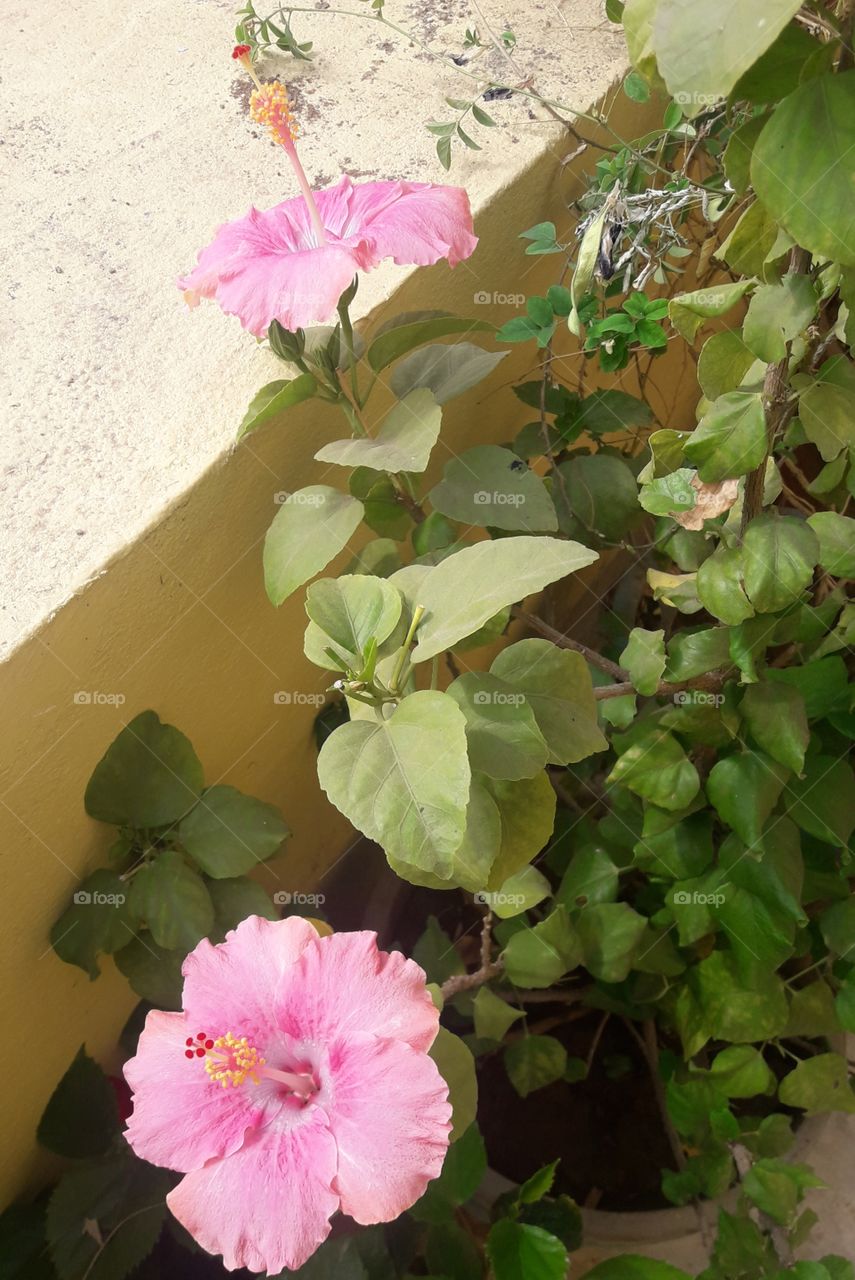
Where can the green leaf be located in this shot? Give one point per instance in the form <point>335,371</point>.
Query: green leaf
<point>801,166</point>
<point>446,371</point>
<point>702,51</point>
<point>776,314</point>
<point>465,590</point>
<point>527,814</point>
<point>744,789</point>
<point>173,901</point>
<point>837,924</point>
<point>309,530</point>
<point>813,1012</point>
<point>667,495</point>
<point>516,1249</point>
<point>737,155</point>
<point>534,1062</point>
<point>836,535</point>
<point>81,1118</point>
<point>539,956</point>
<point>98,919</point>
<point>777,720</point>
<point>490,486</point>
<point>611,410</point>
<point>457,1068</point>
<point>644,659</point>
<point>779,554</point>
<point>630,1267</point>
<point>737,1009</point>
<point>730,438</point>
<point>844,1003</point>
<point>126,1200</point>
<point>779,68</point>
<point>501,730</point>
<point>451,1252</point>
<point>823,684</point>
<point>557,687</point>
<point>750,242</point>
<point>463,1169</point>
<point>228,833</point>
<point>396,342</point>
<point>823,801</point>
<point>403,443</point>
<point>274,399</point>
<point>611,934</point>
<point>236,899</point>
<point>352,610</point>
<point>819,1084</point>
<point>153,972</point>
<point>492,1015</point>
<point>636,87</point>
<point>741,1072</point>
<point>720,588</point>
<point>688,311</point>
<point>591,877</point>
<point>827,408</point>
<point>694,653</point>
<point>149,776</point>
<point>602,493</point>
<point>775,1187</point>
<point>404,781</point>
<point>657,768</point>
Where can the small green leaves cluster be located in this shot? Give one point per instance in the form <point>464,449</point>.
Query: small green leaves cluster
<point>178,864</point>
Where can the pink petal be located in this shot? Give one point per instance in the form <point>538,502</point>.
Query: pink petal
<point>268,1206</point>
<point>181,1118</point>
<point>411,222</point>
<point>266,267</point>
<point>236,985</point>
<point>343,985</point>
<point>390,1116</point>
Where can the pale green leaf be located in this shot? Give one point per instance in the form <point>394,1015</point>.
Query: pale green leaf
<point>403,443</point>
<point>309,530</point>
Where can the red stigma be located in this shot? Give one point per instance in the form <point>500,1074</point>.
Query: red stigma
<point>188,1053</point>
<point>240,51</point>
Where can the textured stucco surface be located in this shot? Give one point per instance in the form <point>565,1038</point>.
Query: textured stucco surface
<point>127,141</point>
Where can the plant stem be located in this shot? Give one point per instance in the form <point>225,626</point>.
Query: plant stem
<point>564,642</point>
<point>404,651</point>
<point>487,970</point>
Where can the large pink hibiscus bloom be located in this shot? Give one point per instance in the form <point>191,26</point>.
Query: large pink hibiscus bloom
<point>295,1083</point>
<point>293,262</point>
<point>270,265</point>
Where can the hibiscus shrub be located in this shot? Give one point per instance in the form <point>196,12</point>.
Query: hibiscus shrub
<point>654,825</point>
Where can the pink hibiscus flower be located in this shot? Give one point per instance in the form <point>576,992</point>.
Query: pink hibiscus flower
<point>295,1083</point>
<point>292,263</point>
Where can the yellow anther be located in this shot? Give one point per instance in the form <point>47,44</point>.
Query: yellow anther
<point>233,1060</point>
<point>269,106</point>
